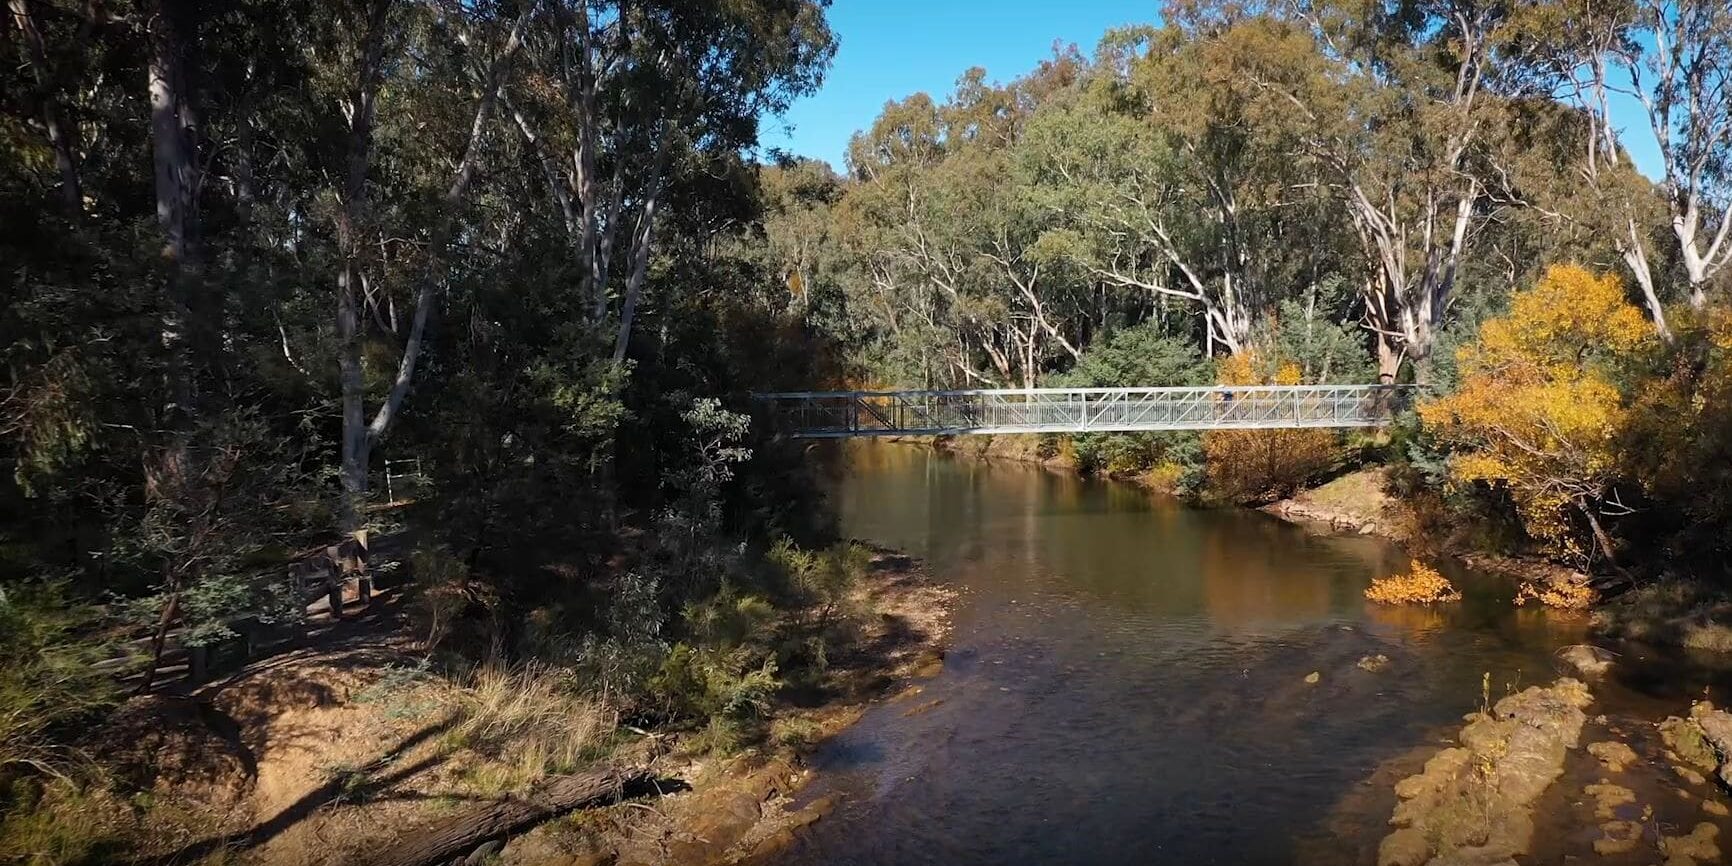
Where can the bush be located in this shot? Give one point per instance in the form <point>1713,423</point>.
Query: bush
<point>1558,593</point>
<point>1264,465</point>
<point>444,593</point>
<point>1127,454</point>
<point>1540,403</point>
<point>1422,584</point>
<point>1137,356</point>
<point>727,689</point>
<point>821,580</point>
<point>1678,442</point>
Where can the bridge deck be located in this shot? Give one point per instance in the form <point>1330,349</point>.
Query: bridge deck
<point>839,414</point>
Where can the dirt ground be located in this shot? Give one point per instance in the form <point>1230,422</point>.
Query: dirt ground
<point>330,751</point>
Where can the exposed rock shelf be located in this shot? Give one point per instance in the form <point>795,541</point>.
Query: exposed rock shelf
<point>1473,803</point>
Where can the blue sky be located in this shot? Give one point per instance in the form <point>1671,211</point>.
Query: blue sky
<point>892,48</point>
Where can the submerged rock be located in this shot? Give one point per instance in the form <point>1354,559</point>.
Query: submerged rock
<point>1314,677</point>
<point>1608,797</point>
<point>1374,664</point>
<point>1699,846</point>
<point>1474,803</point>
<point>1614,754</point>
<point>1620,837</point>
<point>1690,775</point>
<point>1590,661</point>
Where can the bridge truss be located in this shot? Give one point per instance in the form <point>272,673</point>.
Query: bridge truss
<point>841,414</point>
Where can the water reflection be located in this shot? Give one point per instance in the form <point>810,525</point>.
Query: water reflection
<point>1128,680</point>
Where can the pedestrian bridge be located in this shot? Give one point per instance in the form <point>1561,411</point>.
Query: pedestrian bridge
<point>841,414</point>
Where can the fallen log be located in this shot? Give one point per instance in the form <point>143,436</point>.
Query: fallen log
<point>451,837</point>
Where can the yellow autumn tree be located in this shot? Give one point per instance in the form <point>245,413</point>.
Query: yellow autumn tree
<point>1538,412</point>
<point>1263,465</point>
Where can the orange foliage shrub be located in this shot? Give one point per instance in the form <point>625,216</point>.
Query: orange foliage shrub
<point>1422,584</point>
<point>1537,411</point>
<point>1263,465</point>
<point>1564,594</point>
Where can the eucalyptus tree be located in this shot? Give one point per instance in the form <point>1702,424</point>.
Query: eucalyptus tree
<point>895,224</point>
<point>1674,59</point>
<point>1680,67</point>
<point>619,99</point>
<point>800,235</point>
<point>1397,102</point>
<point>1166,177</point>
<point>43,89</point>
<point>949,233</point>
<point>484,41</point>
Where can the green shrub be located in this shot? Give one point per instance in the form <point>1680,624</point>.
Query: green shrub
<point>1137,356</point>
<point>823,579</point>
<point>731,687</point>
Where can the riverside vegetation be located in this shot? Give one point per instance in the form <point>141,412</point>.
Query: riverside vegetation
<point>262,255</point>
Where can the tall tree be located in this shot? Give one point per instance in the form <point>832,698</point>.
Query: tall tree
<point>1684,80</point>
<point>46,80</point>
<point>1398,101</point>
<point>621,98</point>
<point>1672,58</point>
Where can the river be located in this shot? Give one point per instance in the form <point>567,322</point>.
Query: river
<point>1128,678</point>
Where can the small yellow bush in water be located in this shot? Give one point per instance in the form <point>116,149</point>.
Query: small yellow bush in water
<point>1420,585</point>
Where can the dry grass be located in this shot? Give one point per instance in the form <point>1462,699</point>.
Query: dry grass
<point>1422,584</point>
<point>530,721</point>
<point>1673,612</point>
<point>1358,493</point>
<point>60,822</point>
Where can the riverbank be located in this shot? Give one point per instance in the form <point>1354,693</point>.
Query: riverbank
<point>1351,503</point>
<point>356,751</point>
<point>1047,453</point>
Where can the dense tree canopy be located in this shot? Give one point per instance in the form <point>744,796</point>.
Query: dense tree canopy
<point>1341,191</point>
<point>256,250</point>
<point>259,255</point>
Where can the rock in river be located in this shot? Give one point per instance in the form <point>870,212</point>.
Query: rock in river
<point>1374,664</point>
<point>1590,661</point>
<point>1613,754</point>
<point>1473,803</point>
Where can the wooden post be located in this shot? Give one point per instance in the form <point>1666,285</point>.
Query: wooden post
<point>364,583</point>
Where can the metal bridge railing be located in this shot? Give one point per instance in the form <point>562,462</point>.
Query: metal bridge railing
<point>838,414</point>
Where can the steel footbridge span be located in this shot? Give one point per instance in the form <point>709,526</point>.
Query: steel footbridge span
<point>844,414</point>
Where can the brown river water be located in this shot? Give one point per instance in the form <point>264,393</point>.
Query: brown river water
<point>1127,681</point>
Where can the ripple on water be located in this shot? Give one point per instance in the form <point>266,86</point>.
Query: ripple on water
<point>1128,678</point>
